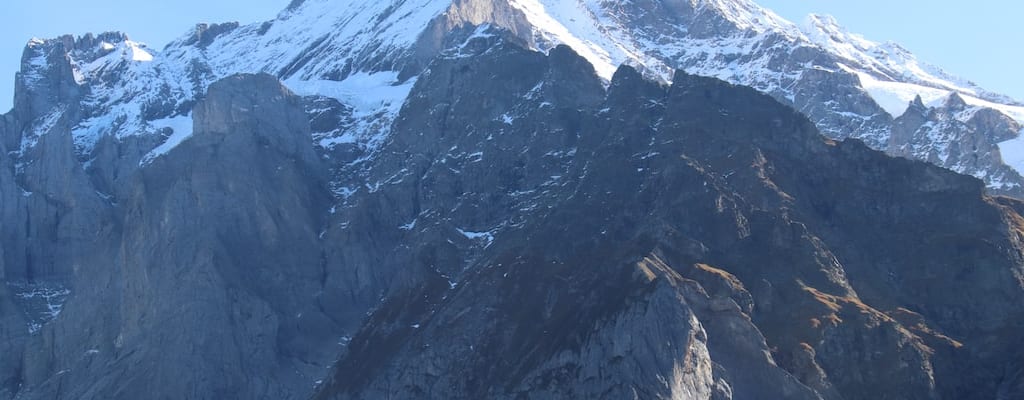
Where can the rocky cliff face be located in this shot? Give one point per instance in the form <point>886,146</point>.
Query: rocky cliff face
<point>960,137</point>
<point>213,254</point>
<point>701,246</point>
<point>446,212</point>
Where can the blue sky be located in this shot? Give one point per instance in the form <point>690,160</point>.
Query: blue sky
<point>981,40</point>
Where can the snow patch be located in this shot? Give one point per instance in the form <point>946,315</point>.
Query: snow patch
<point>42,302</point>
<point>479,33</point>
<point>891,73</point>
<point>341,31</point>
<point>344,193</point>
<point>376,98</point>
<point>136,52</point>
<point>487,237</point>
<point>39,128</point>
<point>573,24</point>
<point>410,226</point>
<point>181,129</point>
<point>895,97</point>
<point>507,119</point>
<point>1012,152</point>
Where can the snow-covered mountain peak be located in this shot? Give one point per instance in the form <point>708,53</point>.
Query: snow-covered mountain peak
<point>86,55</point>
<point>825,31</point>
<point>316,39</point>
<point>104,54</point>
<point>749,16</point>
<point>886,60</point>
<point>848,85</point>
<point>918,101</point>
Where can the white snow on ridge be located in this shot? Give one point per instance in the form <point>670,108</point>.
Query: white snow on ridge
<point>487,237</point>
<point>606,40</point>
<point>895,97</point>
<point>825,31</point>
<point>364,91</point>
<point>181,128</point>
<point>34,69</point>
<point>891,74</point>
<point>1015,112</point>
<point>122,81</point>
<point>330,47</point>
<point>116,53</point>
<point>333,30</point>
<point>40,127</point>
<point>375,98</point>
<point>136,52</point>
<point>330,32</point>
<point>1012,152</point>
<point>747,15</point>
<point>573,24</point>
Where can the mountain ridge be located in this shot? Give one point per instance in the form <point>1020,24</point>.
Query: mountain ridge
<point>468,191</point>
<point>803,67</point>
<point>552,307</point>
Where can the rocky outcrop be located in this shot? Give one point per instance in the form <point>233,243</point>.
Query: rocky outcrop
<point>205,34</point>
<point>959,137</point>
<point>459,174</point>
<point>222,233</point>
<point>215,264</point>
<point>825,95</point>
<point>732,220</point>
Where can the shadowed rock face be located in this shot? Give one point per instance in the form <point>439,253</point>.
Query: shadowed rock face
<point>525,232</point>
<point>208,286</point>
<point>703,241</point>
<point>231,219</point>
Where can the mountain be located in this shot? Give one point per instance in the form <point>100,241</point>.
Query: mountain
<point>847,85</point>
<point>472,199</point>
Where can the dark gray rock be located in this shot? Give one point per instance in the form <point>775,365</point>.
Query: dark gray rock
<point>247,191</point>
<point>217,267</point>
<point>524,231</point>
<point>205,34</point>
<point>840,108</point>
<point>959,137</point>
<point>13,329</point>
<point>746,216</point>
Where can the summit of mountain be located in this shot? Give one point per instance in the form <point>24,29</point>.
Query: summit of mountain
<point>506,198</point>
